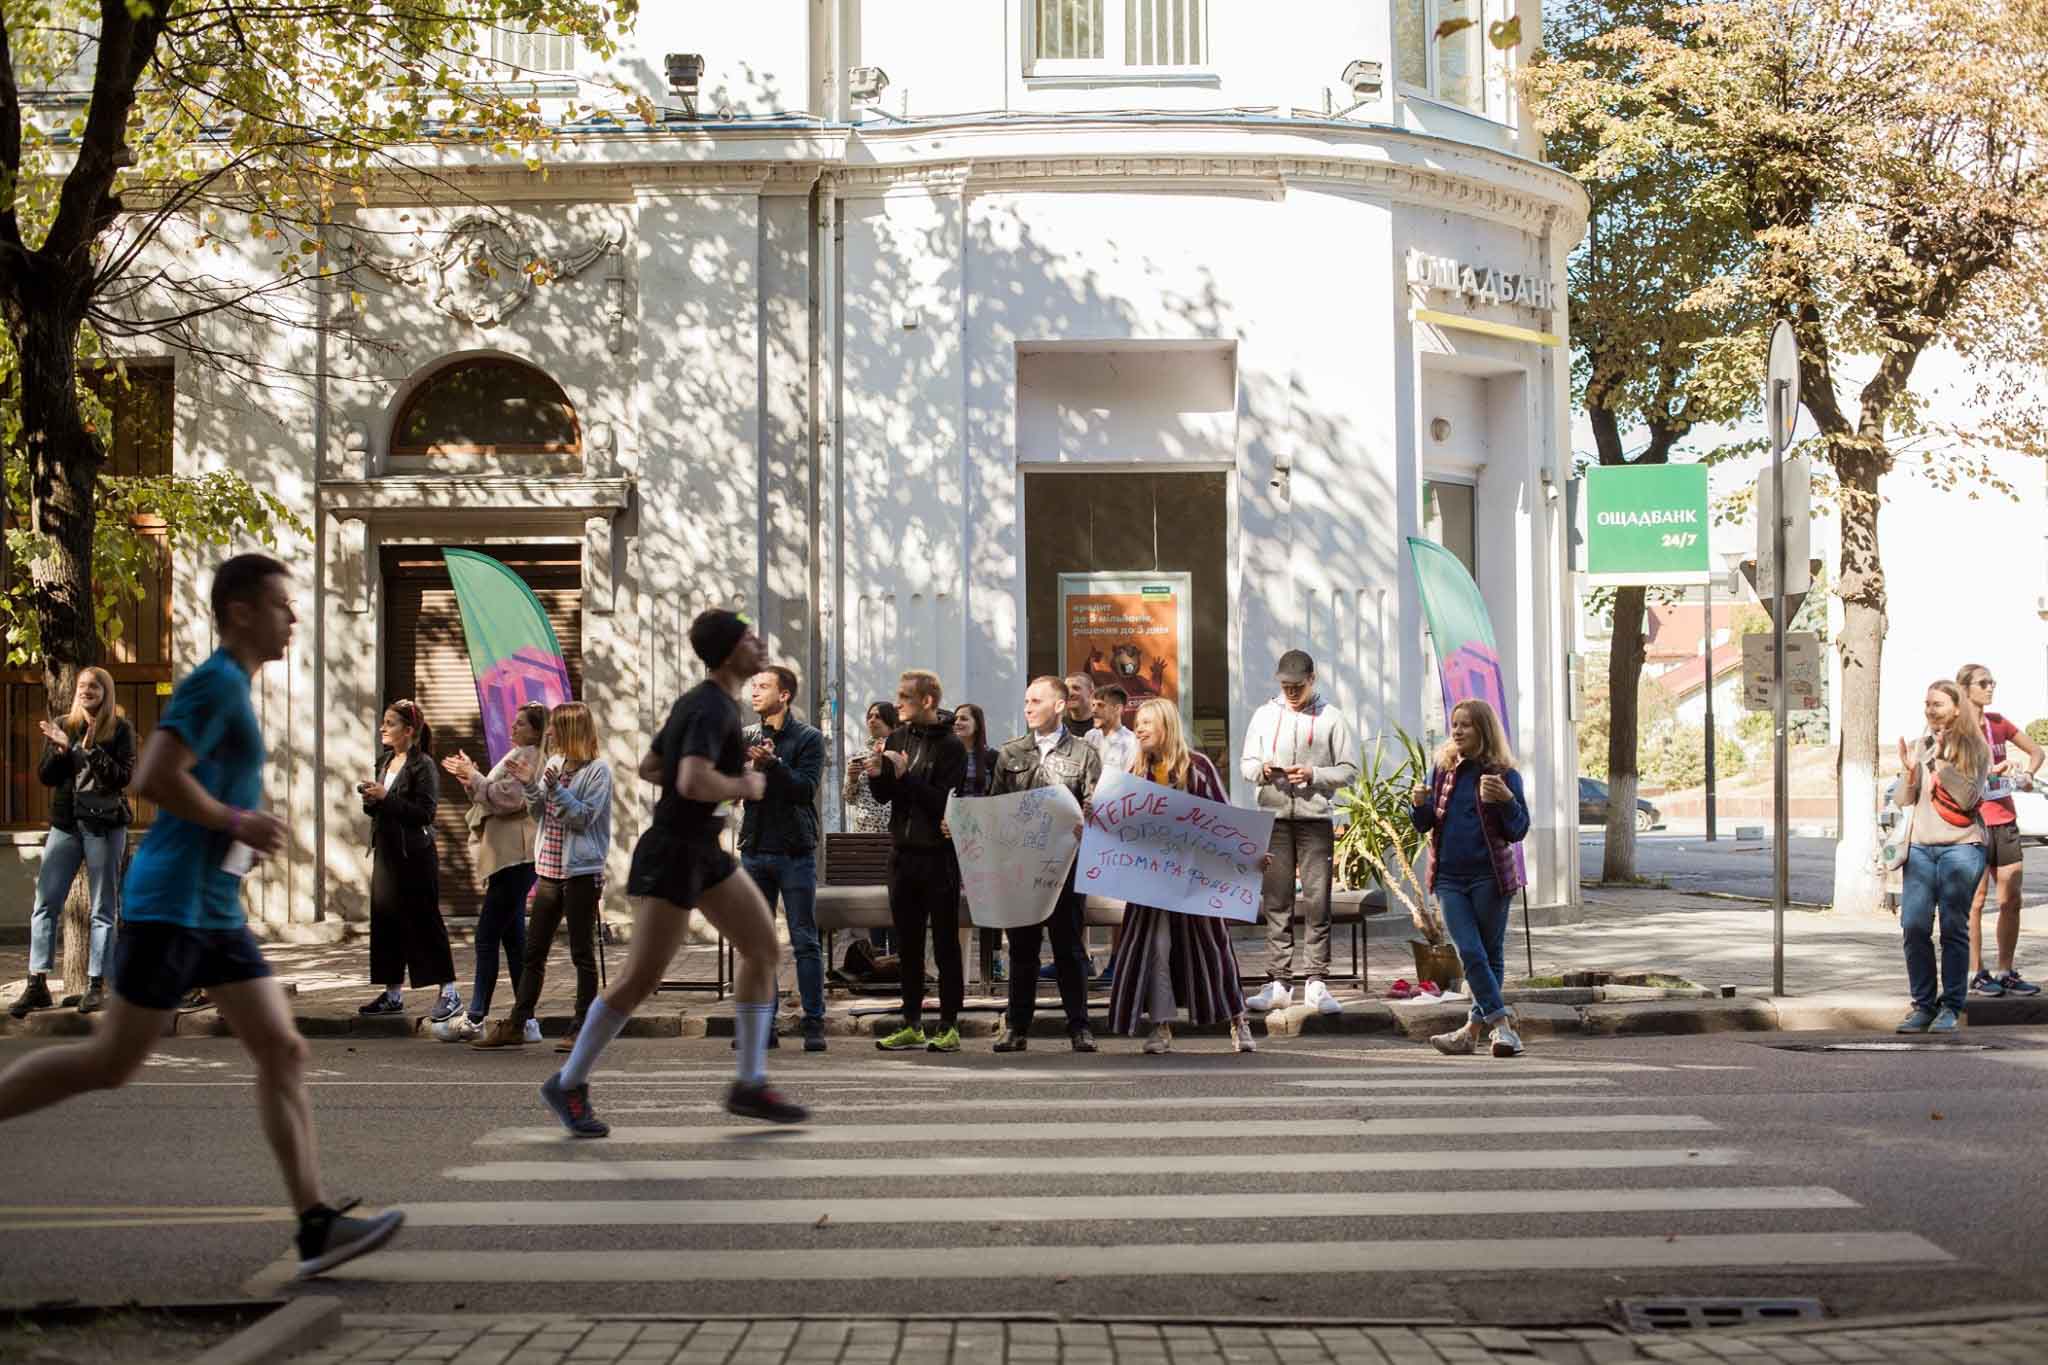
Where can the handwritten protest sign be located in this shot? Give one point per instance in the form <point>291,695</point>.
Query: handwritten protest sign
<point>1014,853</point>
<point>1158,846</point>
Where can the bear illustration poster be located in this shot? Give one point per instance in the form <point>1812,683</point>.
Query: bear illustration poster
<point>1132,630</point>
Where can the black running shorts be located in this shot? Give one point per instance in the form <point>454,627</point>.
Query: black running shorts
<point>156,964</point>
<point>2004,850</point>
<point>677,870</point>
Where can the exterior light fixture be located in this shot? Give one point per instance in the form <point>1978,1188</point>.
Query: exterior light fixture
<point>1364,78</point>
<point>685,69</point>
<point>866,83</point>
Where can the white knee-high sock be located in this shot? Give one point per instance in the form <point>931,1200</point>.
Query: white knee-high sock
<point>600,1026</point>
<point>751,1023</point>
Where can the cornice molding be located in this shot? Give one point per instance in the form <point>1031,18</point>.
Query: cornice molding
<point>485,496</point>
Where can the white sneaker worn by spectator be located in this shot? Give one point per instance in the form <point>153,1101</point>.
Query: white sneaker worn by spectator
<point>1506,1042</point>
<point>460,1029</point>
<point>533,1030</point>
<point>1241,1035</point>
<point>1277,995</point>
<point>1458,1042</point>
<point>1319,996</point>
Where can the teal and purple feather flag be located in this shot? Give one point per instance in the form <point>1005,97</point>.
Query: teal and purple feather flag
<point>512,647</point>
<point>1467,661</point>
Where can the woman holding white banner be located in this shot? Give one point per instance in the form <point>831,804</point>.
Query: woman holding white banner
<point>1166,961</point>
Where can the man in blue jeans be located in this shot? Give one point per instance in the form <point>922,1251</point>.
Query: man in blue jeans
<point>779,833</point>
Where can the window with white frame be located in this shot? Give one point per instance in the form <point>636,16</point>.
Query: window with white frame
<point>1441,51</point>
<point>530,53</point>
<point>1086,37</point>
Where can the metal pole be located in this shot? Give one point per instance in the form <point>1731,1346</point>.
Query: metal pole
<point>1780,774</point>
<point>1707,659</point>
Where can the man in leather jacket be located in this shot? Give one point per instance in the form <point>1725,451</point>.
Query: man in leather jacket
<point>922,764</point>
<point>1047,754</point>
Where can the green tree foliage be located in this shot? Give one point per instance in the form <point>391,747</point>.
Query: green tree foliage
<point>1654,240</point>
<point>237,124</point>
<point>1888,161</point>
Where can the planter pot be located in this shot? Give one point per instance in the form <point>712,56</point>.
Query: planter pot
<point>1437,962</point>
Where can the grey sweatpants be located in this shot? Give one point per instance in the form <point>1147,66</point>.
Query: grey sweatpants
<point>1301,847</point>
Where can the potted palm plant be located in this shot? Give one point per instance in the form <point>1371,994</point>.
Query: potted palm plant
<point>1380,843</point>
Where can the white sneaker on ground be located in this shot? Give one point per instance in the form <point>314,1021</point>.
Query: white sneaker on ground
<point>460,1029</point>
<point>1241,1035</point>
<point>1319,996</point>
<point>1506,1042</point>
<point>1161,1040</point>
<point>1277,995</point>
<point>533,1030</point>
<point>1457,1043</point>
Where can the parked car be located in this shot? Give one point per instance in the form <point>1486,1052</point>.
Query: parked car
<point>1593,806</point>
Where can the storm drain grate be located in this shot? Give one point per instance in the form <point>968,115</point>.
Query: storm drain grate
<point>1900,1045</point>
<point>1687,1315</point>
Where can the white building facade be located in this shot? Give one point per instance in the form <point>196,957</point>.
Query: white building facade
<point>1093,287</point>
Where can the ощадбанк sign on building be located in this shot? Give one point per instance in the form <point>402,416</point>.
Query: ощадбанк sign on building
<point>1646,524</point>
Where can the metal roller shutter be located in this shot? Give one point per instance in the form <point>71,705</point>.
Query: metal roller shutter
<point>426,659</point>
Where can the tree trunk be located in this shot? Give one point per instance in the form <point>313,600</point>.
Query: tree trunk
<point>64,457</point>
<point>1624,677</point>
<point>1859,887</point>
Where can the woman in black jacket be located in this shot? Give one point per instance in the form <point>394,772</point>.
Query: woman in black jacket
<point>87,762</point>
<point>407,936</point>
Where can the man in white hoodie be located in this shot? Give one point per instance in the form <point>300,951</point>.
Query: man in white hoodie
<point>1300,751</point>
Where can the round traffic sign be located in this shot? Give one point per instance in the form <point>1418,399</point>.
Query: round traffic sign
<point>1783,366</point>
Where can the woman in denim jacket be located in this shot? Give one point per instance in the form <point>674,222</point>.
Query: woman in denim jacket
<point>572,799</point>
<point>1474,812</point>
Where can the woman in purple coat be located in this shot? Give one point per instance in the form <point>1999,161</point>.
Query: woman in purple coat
<point>1166,961</point>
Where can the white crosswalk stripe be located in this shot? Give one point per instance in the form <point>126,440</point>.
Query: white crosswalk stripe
<point>1103,1172</point>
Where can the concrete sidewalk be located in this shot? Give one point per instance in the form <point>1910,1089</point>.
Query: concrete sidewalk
<point>1841,972</point>
<point>482,1340</point>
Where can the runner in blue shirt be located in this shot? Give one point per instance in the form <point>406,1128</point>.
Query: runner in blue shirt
<point>183,924</point>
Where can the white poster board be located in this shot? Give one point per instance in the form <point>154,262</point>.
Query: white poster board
<point>1014,853</point>
<point>1157,846</point>
<point>1802,672</point>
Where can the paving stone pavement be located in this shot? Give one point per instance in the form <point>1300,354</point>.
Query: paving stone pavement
<point>483,1340</point>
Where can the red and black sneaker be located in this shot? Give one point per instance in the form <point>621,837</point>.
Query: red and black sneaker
<point>763,1101</point>
<point>572,1107</point>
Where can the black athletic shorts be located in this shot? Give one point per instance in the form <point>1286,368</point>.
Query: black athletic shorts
<point>2004,850</point>
<point>156,964</point>
<point>677,869</point>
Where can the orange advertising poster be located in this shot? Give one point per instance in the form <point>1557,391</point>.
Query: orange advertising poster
<point>1127,630</point>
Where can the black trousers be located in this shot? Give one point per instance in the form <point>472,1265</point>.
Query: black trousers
<point>1065,926</point>
<point>924,893</point>
<point>575,899</point>
<point>407,935</point>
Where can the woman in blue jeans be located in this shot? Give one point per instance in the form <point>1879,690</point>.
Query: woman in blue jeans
<point>1474,812</point>
<point>88,761</point>
<point>1943,778</point>
<point>502,836</point>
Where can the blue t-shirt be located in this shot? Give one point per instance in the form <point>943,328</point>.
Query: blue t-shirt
<point>176,876</point>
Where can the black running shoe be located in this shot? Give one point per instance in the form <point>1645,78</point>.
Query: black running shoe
<point>763,1101</point>
<point>327,1237</point>
<point>1084,1040</point>
<point>383,1004</point>
<point>572,1107</point>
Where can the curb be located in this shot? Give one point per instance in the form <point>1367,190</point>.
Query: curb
<point>300,1323</point>
<point>1601,1012</point>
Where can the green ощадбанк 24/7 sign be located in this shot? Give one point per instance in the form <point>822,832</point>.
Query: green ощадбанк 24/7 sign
<point>1646,524</point>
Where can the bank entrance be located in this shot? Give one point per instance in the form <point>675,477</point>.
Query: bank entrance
<point>1127,579</point>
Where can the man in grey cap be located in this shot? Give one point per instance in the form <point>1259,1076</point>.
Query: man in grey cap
<point>1300,751</point>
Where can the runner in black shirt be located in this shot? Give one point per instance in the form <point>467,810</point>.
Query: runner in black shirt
<point>678,864</point>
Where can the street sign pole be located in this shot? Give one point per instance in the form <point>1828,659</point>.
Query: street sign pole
<point>1707,665</point>
<point>1781,784</point>
<point>1782,405</point>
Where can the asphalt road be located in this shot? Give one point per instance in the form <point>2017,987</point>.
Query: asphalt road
<point>1743,868</point>
<point>1353,1178</point>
